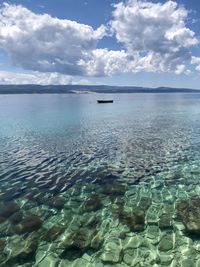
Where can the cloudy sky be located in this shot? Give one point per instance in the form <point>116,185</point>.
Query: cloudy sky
<point>135,42</point>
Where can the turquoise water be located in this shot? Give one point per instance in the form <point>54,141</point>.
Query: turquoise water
<point>87,184</point>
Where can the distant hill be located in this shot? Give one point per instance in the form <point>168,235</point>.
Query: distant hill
<point>75,89</point>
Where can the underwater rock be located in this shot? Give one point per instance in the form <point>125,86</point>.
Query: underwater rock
<point>190,252</point>
<point>37,196</point>
<point>81,239</point>
<point>80,263</point>
<point>56,202</point>
<point>189,213</point>
<point>153,234</point>
<point>2,244</point>
<point>7,209</point>
<point>96,242</point>
<point>65,263</point>
<point>76,244</point>
<point>129,256</point>
<point>168,208</point>
<point>87,257</point>
<point>52,233</point>
<point>16,217</point>
<point>166,243</point>
<point>152,215</point>
<point>145,203</point>
<point>198,263</point>
<point>153,258</point>
<point>97,264</point>
<point>50,260</point>
<point>182,241</point>
<point>166,259</point>
<point>71,253</point>
<point>93,203</point>
<point>93,222</point>
<point>134,220</point>
<point>165,221</point>
<point>28,225</point>
<point>133,242</point>
<point>112,251</point>
<point>114,189</point>
<point>187,263</point>
<point>22,251</point>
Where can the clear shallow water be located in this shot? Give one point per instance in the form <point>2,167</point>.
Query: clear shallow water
<point>100,185</point>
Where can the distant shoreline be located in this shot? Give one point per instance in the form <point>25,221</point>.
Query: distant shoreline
<point>87,89</point>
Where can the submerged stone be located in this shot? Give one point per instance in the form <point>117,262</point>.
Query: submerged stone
<point>166,243</point>
<point>23,252</point>
<point>133,242</point>
<point>198,263</point>
<point>97,242</point>
<point>93,223</point>
<point>166,259</point>
<point>52,233</point>
<point>16,217</point>
<point>129,256</point>
<point>189,213</point>
<point>93,203</point>
<point>145,203</point>
<point>165,221</point>
<point>81,239</point>
<point>28,225</point>
<point>114,189</point>
<point>134,220</point>
<point>37,196</point>
<point>77,243</point>
<point>56,202</point>
<point>152,233</point>
<point>2,244</point>
<point>81,262</point>
<point>7,209</point>
<point>50,260</point>
<point>187,263</point>
<point>65,263</point>
<point>112,251</point>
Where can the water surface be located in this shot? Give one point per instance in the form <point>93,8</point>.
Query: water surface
<point>111,183</point>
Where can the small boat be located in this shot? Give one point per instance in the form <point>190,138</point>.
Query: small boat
<point>104,101</point>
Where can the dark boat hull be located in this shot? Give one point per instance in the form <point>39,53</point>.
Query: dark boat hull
<point>104,101</point>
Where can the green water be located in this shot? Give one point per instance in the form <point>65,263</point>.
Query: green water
<point>83,184</point>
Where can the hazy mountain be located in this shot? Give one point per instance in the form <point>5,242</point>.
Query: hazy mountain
<point>67,89</point>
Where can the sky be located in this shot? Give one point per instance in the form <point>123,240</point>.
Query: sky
<point>148,43</point>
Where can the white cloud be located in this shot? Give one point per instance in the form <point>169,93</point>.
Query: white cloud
<point>7,77</point>
<point>103,62</point>
<point>43,43</point>
<point>157,32</point>
<point>196,61</point>
<point>154,38</point>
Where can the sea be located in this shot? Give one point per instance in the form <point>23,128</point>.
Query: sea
<point>94,185</point>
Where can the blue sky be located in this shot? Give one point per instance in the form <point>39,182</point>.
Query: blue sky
<point>120,47</point>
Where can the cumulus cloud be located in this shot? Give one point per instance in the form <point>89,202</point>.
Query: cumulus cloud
<point>154,38</point>
<point>157,31</point>
<point>7,77</point>
<point>196,61</point>
<point>103,62</point>
<point>43,43</point>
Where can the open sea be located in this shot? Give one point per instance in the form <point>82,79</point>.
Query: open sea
<point>92,185</point>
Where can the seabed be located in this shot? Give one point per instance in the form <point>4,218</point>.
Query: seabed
<point>106,223</point>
